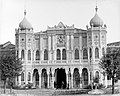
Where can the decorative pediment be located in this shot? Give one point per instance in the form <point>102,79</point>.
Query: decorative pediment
<point>60,26</point>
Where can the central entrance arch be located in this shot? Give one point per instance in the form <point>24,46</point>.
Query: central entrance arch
<point>60,79</point>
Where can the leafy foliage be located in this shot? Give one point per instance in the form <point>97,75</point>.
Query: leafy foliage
<point>110,63</point>
<point>10,66</point>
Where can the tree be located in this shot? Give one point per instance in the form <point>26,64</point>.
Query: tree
<point>10,67</point>
<point>110,63</point>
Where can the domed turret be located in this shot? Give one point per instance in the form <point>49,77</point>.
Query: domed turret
<point>24,24</point>
<point>96,21</point>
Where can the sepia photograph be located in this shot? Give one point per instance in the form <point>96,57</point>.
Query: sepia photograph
<point>59,47</point>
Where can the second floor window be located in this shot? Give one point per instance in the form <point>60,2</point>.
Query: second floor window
<point>58,54</point>
<point>22,54</point>
<point>76,54</point>
<point>45,54</point>
<point>37,55</point>
<point>85,53</point>
<point>29,55</point>
<point>63,54</point>
<point>96,52</point>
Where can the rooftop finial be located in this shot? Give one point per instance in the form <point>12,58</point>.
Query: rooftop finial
<point>25,12</point>
<point>96,6</point>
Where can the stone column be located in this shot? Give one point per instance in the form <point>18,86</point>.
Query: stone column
<point>105,80</point>
<point>19,80</point>
<point>31,77</point>
<point>53,42</point>
<point>48,82</point>
<point>34,55</point>
<point>41,43</point>
<point>49,42</point>
<point>19,54</point>
<point>71,80</point>
<point>39,79</point>
<point>49,55</point>
<point>53,79</point>
<point>88,54</point>
<point>54,54</point>
<point>67,42</point>
<point>72,41</point>
<point>26,77</point>
<point>42,55</point>
<point>93,54</point>
<point>88,76</point>
<point>67,82</point>
<point>80,72</point>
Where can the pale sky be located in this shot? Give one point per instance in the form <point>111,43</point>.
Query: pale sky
<point>43,13</point>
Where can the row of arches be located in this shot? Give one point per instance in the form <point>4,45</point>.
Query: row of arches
<point>61,79</point>
<point>62,56</point>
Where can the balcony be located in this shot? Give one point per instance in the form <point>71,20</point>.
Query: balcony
<point>59,62</point>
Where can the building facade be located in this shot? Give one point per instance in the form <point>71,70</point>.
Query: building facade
<point>62,56</point>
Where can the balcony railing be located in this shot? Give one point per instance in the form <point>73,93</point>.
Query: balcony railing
<point>45,62</point>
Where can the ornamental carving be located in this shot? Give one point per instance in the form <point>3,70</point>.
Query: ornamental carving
<point>60,40</point>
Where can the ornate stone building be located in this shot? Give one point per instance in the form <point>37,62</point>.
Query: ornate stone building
<point>62,56</point>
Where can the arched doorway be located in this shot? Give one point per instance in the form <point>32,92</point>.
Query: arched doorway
<point>76,78</point>
<point>36,77</point>
<point>60,82</point>
<point>44,78</point>
<point>85,76</point>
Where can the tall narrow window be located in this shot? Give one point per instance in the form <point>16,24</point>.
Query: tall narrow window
<point>58,54</point>
<point>22,76</point>
<point>22,54</point>
<point>85,53</point>
<point>103,51</point>
<point>45,54</point>
<point>63,54</point>
<point>90,53</point>
<point>37,55</point>
<point>29,55</point>
<point>17,53</point>
<point>96,52</point>
<point>76,54</point>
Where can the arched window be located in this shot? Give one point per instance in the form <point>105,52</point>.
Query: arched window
<point>29,76</point>
<point>85,53</point>
<point>96,52</point>
<point>22,54</point>
<point>63,54</point>
<point>22,76</point>
<point>58,54</point>
<point>29,55</point>
<point>76,54</point>
<point>103,51</point>
<point>90,53</point>
<point>45,54</point>
<point>37,55</point>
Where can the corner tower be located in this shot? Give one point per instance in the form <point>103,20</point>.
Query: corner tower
<point>96,39</point>
<point>24,45</point>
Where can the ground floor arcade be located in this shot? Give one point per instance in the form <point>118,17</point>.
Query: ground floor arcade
<point>60,78</point>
